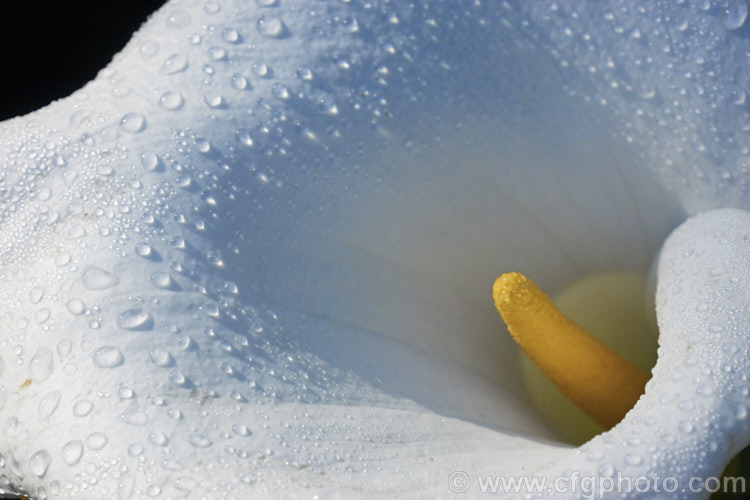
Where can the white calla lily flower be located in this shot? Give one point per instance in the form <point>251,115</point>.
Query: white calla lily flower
<point>254,256</point>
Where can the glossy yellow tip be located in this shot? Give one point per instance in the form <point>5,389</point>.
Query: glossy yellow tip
<point>593,376</point>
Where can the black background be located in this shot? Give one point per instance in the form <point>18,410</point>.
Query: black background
<point>49,49</point>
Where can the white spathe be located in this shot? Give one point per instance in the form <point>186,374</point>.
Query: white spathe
<point>254,256</point>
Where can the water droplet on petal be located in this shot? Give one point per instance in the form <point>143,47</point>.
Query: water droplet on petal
<point>686,427</point>
<point>133,123</point>
<point>143,249</point>
<point>240,430</point>
<point>149,49</point>
<point>211,7</point>
<point>740,412</point>
<point>35,295</point>
<point>171,101</point>
<point>213,99</point>
<point>735,14</point>
<point>76,306</point>
<point>270,26</point>
<point>162,280</point>
<point>202,145</point>
<point>175,63</point>
<point>39,463</point>
<point>82,408</point>
<point>48,404</point>
<point>230,35</point>
<point>96,441</point>
<point>41,365</point>
<point>95,278</point>
<point>328,105</point>
<point>72,452</point>
<point>239,82</point>
<point>199,441</point>
<point>135,319</point>
<point>280,91</point>
<point>243,137</point>
<point>137,418</point>
<point>160,357</point>
<point>125,393</point>
<point>157,439</point>
<point>217,54</point>
<point>178,19</point>
<point>107,357</point>
<point>260,69</point>
<point>177,378</point>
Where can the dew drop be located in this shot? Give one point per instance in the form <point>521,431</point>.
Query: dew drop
<point>171,101</point>
<point>135,450</point>
<point>633,459</point>
<point>96,441</point>
<point>178,19</point>
<point>76,306</point>
<point>137,418</point>
<point>133,123</point>
<point>157,439</point>
<point>48,404</point>
<point>41,365</point>
<point>740,412</point>
<point>211,7</point>
<point>160,357</point>
<point>162,280</point>
<point>177,242</point>
<point>95,278</point>
<point>175,63</point>
<point>239,82</point>
<point>242,135</point>
<point>82,408</point>
<point>686,427</point>
<point>213,99</point>
<point>149,161</point>
<point>217,53</point>
<point>735,14</point>
<point>135,319</point>
<point>328,105</point>
<point>63,259</point>
<point>39,463</point>
<point>143,249</point>
<point>280,91</point>
<point>606,470</point>
<point>230,35</point>
<point>199,441</point>
<point>35,295</point>
<point>177,378</point>
<point>270,26</point>
<point>125,393</point>
<point>202,145</point>
<point>240,430</point>
<point>149,49</point>
<point>107,357</point>
<point>304,74</point>
<point>211,309</point>
<point>260,69</point>
<point>72,452</point>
